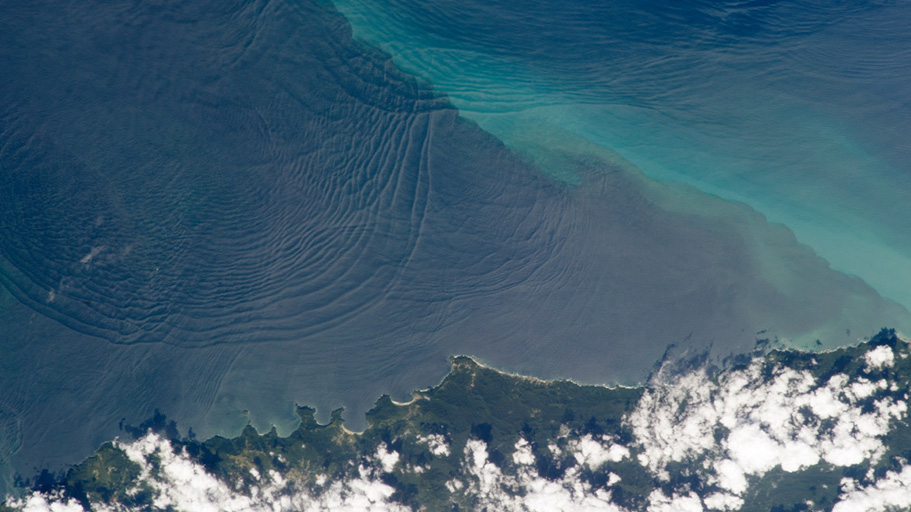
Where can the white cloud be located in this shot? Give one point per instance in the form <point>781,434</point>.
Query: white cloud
<point>764,422</point>
<point>40,502</point>
<point>437,444</point>
<point>523,455</point>
<point>879,357</point>
<point>184,485</point>
<point>181,483</point>
<point>892,492</point>
<point>723,501</point>
<point>387,458</point>
<point>658,502</point>
<point>525,490</point>
<point>753,449</point>
<point>731,476</point>
<point>731,429</point>
<point>594,453</point>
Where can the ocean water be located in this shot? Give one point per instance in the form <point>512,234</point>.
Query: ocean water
<point>219,210</point>
<point>798,110</point>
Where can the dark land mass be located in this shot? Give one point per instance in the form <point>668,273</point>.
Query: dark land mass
<point>476,403</point>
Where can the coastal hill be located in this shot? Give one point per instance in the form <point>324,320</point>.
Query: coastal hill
<point>783,430</point>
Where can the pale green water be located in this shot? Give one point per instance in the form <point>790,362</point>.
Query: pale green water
<point>252,211</point>
<point>755,137</point>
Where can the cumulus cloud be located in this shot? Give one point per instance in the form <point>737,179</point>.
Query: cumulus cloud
<point>892,492</point>
<point>523,455</point>
<point>728,431</point>
<point>436,443</point>
<point>659,502</point>
<point>749,422</point>
<point>525,490</point>
<point>178,483</point>
<point>40,502</point>
<point>723,501</point>
<point>387,458</point>
<point>594,454</point>
<point>879,357</point>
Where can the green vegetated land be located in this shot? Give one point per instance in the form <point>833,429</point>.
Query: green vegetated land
<point>475,402</point>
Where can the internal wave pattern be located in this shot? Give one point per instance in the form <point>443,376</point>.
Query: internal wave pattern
<point>798,110</point>
<point>250,184</point>
<point>250,208</point>
<point>196,213</point>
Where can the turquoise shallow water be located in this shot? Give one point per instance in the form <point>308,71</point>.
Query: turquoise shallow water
<point>800,111</point>
<point>214,208</point>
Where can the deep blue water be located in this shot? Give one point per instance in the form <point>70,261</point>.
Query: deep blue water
<point>224,207</point>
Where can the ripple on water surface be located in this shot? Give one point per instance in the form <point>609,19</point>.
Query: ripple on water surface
<point>800,110</point>
<point>208,209</point>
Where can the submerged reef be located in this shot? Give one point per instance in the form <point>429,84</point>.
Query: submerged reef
<point>781,430</point>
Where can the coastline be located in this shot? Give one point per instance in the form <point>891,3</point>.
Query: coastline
<point>622,445</point>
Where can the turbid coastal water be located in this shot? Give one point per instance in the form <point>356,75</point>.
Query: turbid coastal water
<point>220,210</point>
